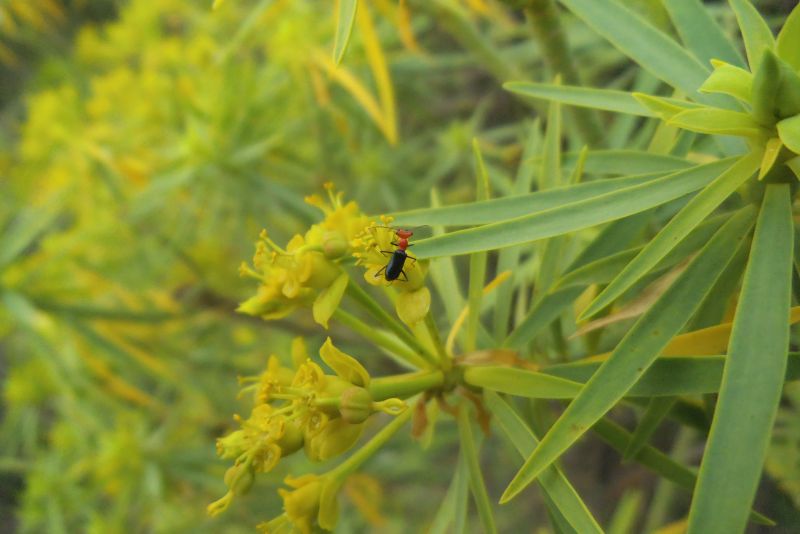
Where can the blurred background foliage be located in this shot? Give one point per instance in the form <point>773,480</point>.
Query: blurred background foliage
<point>144,146</point>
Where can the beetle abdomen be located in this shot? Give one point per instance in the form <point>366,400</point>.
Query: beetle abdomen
<point>395,265</point>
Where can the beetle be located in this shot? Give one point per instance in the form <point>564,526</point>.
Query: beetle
<point>398,257</point>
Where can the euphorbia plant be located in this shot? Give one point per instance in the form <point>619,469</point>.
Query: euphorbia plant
<point>726,215</point>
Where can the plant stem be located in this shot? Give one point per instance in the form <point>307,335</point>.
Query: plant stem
<point>376,310</point>
<point>549,33</point>
<point>371,447</point>
<point>446,361</point>
<point>381,339</point>
<point>405,385</point>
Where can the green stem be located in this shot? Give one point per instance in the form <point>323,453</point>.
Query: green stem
<point>405,385</point>
<point>371,447</point>
<point>381,339</point>
<point>328,402</point>
<point>376,310</point>
<point>444,358</point>
<point>549,33</point>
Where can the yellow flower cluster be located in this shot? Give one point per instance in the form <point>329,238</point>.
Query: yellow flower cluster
<point>296,408</point>
<point>306,272</point>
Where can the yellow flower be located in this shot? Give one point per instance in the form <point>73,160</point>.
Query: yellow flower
<point>311,503</point>
<point>306,272</point>
<point>373,248</point>
<point>299,408</point>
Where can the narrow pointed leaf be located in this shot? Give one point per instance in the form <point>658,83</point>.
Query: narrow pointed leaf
<point>476,481</point>
<point>627,162</point>
<point>520,382</point>
<point>574,216</point>
<point>542,314</point>
<point>637,350</point>
<point>554,484</point>
<point>657,461</point>
<point>505,208</point>
<point>453,509</point>
<point>718,121</point>
<point>700,32</point>
<point>508,259</point>
<point>656,411</point>
<point>669,375</point>
<point>730,80</point>
<point>753,378</point>
<point>789,132</point>
<point>651,48</point>
<point>788,43</point>
<point>755,31</point>
<point>687,219</point>
<point>345,17</point>
<point>587,97</point>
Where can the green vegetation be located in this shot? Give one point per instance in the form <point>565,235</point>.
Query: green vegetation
<point>598,299</point>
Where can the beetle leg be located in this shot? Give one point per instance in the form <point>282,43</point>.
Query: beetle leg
<point>389,252</point>
<point>404,274</point>
<point>380,271</point>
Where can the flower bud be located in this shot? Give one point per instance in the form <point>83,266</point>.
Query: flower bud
<point>232,445</point>
<point>239,478</point>
<point>334,245</point>
<point>356,405</point>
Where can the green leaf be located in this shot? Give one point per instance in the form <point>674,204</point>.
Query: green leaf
<point>574,216</point>
<point>443,273</point>
<point>754,374</point>
<point>550,172</point>
<point>628,162</point>
<point>454,507</point>
<point>345,18</point>
<point>688,218</point>
<point>789,132</point>
<point>766,82</point>
<point>520,382</point>
<point>549,177</point>
<point>755,31</point>
<point>718,121</point>
<point>730,80</point>
<point>637,350</point>
<point>641,41</point>
<point>476,482</point>
<point>587,97</point>
<point>604,270</point>
<point>553,482</point>
<point>771,151</point>
<point>508,259</point>
<point>788,99</point>
<point>663,107</point>
<point>656,411</point>
<point>501,209</point>
<point>544,312</point>
<point>477,260</point>
<point>25,227</point>
<point>669,375</point>
<point>788,43</point>
<point>794,165</point>
<point>654,459</point>
<point>624,518</point>
<point>700,32</point>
